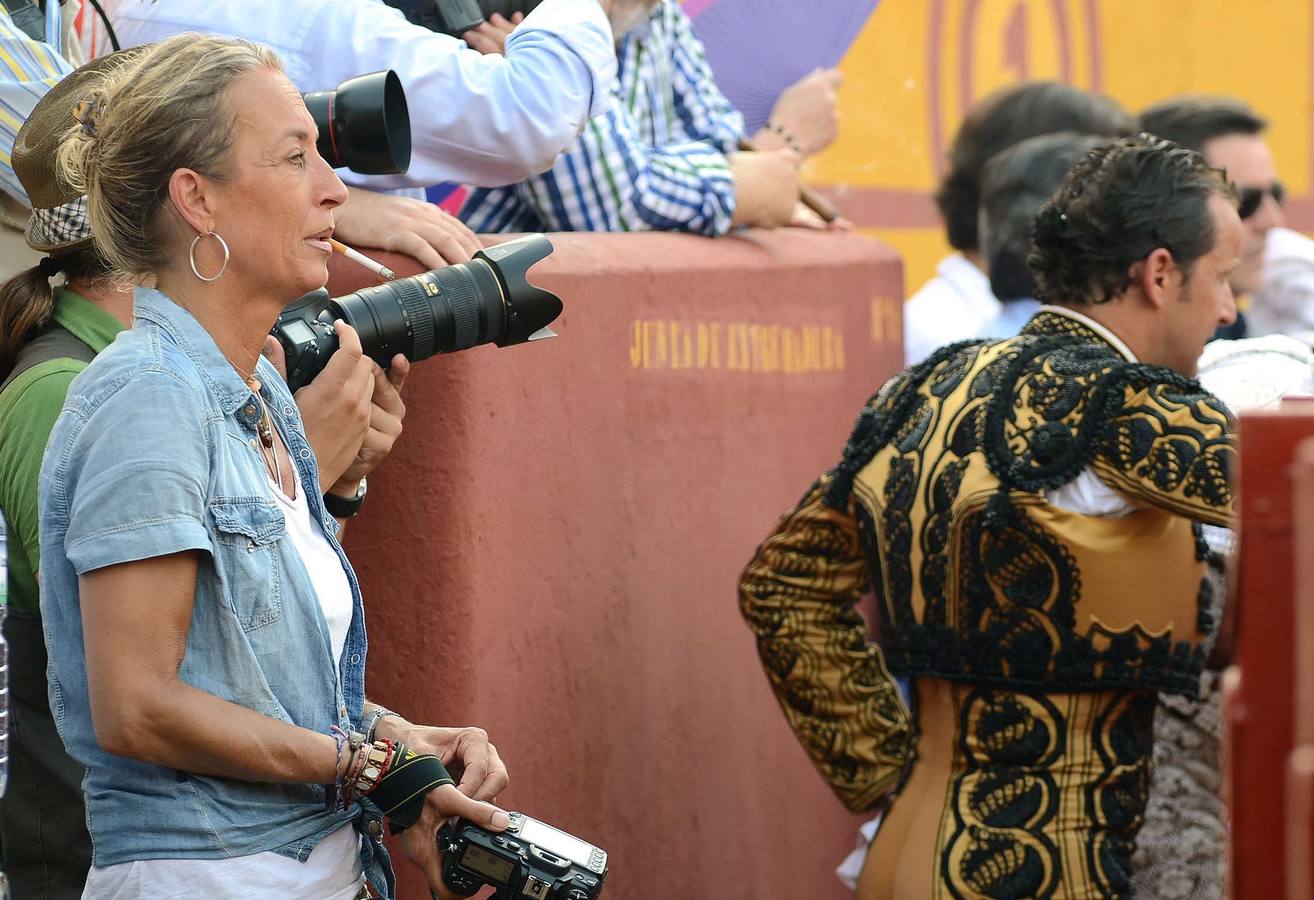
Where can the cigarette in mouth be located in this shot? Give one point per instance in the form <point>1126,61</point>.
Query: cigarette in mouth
<point>362,260</point>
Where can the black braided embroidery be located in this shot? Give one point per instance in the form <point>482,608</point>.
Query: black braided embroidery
<point>888,410</point>
<point>1056,456</point>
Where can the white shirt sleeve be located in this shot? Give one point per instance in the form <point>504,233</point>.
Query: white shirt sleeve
<point>1285,302</point>
<point>475,119</point>
<point>1089,495</point>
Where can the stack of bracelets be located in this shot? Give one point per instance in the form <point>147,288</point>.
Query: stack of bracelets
<point>394,777</point>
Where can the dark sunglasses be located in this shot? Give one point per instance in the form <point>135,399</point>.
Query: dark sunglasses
<point>1252,197</point>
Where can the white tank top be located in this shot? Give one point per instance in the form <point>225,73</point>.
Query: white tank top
<point>321,561</point>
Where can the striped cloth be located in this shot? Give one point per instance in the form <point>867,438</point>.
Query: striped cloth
<point>28,69</point>
<point>654,161</point>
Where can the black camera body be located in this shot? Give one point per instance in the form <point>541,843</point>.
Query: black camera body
<point>531,860</point>
<point>456,17</point>
<point>487,300</point>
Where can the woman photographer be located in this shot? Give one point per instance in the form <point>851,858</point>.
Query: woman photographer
<point>352,415</point>
<point>206,634</point>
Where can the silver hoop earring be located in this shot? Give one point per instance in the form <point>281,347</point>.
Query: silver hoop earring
<point>191,256</point>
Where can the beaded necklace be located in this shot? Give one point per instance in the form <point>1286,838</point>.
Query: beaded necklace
<point>265,431</point>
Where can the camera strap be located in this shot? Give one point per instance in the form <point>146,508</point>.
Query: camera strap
<point>401,790</point>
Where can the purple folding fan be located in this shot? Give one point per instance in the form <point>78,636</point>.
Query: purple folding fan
<point>757,48</point>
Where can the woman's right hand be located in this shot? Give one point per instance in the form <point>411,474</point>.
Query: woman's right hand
<point>336,405</point>
<point>420,841</point>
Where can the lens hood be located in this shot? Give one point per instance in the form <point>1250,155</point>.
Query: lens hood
<point>529,309</point>
<point>364,125</point>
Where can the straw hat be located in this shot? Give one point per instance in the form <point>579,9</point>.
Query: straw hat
<point>58,223</point>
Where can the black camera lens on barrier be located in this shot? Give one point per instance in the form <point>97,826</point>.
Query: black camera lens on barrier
<point>488,300</point>
<point>364,125</point>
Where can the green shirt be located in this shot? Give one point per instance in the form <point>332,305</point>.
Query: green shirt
<point>29,407</point>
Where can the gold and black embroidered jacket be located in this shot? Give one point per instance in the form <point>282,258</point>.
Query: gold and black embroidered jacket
<point>939,506</point>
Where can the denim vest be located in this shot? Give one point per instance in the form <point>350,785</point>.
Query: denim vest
<point>156,452</point>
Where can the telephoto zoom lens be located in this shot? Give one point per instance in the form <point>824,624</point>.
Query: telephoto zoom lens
<point>488,300</point>
<point>434,312</point>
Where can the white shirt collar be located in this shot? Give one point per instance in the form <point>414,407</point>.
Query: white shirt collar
<point>969,283</point>
<point>959,268</point>
<point>1102,330</point>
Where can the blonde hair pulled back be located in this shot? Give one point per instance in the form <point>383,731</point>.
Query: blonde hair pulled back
<point>163,110</point>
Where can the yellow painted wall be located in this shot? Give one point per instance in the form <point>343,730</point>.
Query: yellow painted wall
<point>1137,51</point>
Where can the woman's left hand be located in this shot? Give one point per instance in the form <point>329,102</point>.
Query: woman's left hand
<point>420,841</point>
<point>386,414</point>
<point>466,752</point>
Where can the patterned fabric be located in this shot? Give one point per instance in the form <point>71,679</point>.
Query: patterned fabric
<point>655,161</point>
<point>1053,654</point>
<point>59,225</point>
<point>1181,851</point>
<point>28,69</point>
<point>1047,794</point>
<point>798,597</point>
<point>955,455</point>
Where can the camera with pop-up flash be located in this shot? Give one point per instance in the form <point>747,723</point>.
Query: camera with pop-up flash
<point>531,860</point>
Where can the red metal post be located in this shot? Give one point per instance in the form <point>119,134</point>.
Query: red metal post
<point>1260,702</point>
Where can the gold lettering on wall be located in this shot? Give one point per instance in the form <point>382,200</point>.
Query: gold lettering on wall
<point>886,321</point>
<point>758,347</point>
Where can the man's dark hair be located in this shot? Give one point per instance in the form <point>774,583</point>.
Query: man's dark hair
<point>1015,184</point>
<point>1117,206</point>
<point>1192,120</point>
<point>1001,120</point>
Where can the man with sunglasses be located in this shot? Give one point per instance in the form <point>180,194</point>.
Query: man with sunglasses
<point>1277,265</point>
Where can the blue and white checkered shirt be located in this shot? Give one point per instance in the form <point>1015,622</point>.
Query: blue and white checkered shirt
<point>28,69</point>
<point>654,161</point>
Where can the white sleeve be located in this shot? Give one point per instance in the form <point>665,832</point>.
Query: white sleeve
<point>1088,495</point>
<point>1285,302</point>
<point>475,119</point>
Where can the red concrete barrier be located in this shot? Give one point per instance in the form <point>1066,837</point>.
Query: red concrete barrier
<point>552,551</point>
<point>1260,707</point>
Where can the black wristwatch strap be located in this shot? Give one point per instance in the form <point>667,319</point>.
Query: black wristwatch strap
<point>345,507</point>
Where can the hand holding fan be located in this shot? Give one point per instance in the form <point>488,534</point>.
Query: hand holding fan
<point>757,48</point>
